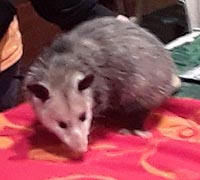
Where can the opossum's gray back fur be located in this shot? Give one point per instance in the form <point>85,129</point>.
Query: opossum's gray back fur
<point>130,65</point>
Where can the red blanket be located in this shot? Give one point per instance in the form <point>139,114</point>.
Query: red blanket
<point>29,152</point>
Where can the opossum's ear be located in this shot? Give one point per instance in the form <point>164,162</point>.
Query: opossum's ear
<point>39,91</point>
<point>86,82</point>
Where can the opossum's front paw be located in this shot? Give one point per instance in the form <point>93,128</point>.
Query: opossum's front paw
<point>143,134</point>
<point>125,131</point>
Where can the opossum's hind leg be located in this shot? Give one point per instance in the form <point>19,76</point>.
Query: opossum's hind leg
<point>176,84</point>
<point>141,133</point>
<point>135,120</point>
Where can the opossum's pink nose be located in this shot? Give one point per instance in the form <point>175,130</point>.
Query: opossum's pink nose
<point>80,146</point>
<point>82,149</point>
<point>79,142</point>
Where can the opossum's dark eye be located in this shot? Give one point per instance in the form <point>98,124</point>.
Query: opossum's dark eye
<point>82,117</point>
<point>62,124</point>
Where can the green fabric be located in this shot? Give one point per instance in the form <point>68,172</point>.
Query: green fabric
<point>189,90</point>
<point>186,57</point>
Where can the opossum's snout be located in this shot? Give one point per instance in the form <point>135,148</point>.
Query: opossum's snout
<point>74,134</point>
<point>76,141</point>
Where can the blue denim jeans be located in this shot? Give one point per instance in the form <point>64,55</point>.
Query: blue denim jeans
<point>9,87</point>
<point>69,13</point>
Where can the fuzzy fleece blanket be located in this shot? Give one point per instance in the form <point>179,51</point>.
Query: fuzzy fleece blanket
<point>29,152</point>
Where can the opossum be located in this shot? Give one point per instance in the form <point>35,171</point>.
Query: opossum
<point>102,64</point>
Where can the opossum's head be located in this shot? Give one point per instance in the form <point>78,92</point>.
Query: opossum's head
<point>65,109</point>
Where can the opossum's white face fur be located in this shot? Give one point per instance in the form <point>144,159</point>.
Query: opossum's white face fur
<point>67,114</point>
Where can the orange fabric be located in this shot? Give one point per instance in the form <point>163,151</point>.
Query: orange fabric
<point>11,47</point>
<point>30,152</point>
